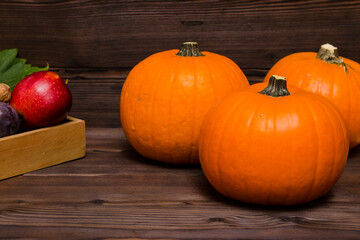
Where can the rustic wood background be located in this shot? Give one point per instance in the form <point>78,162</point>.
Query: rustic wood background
<point>114,192</point>
<point>96,43</point>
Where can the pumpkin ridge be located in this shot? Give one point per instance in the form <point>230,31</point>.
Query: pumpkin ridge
<point>248,127</point>
<point>291,145</point>
<point>338,82</point>
<point>231,129</point>
<point>315,137</point>
<point>159,84</point>
<point>153,95</point>
<point>206,64</point>
<point>226,62</point>
<point>297,71</point>
<point>314,71</point>
<point>194,106</point>
<point>332,85</point>
<point>222,66</point>
<point>173,80</point>
<point>294,105</point>
<point>349,100</point>
<point>274,111</point>
<point>220,140</point>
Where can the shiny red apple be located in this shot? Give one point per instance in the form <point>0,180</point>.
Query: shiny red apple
<point>41,99</point>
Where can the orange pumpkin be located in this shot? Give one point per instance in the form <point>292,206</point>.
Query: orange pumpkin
<point>166,96</point>
<point>325,73</point>
<point>273,147</point>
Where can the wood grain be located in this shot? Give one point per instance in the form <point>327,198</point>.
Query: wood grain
<point>96,95</point>
<point>43,147</point>
<point>255,34</point>
<point>115,193</point>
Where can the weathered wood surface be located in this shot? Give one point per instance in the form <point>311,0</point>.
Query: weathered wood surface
<point>255,34</point>
<point>96,95</point>
<point>115,193</point>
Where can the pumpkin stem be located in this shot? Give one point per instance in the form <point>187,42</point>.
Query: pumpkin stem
<point>329,54</point>
<point>189,49</point>
<point>276,87</point>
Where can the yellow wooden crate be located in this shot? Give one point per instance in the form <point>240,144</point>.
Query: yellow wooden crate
<point>40,148</point>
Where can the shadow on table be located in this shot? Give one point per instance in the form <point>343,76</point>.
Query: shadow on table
<point>207,190</point>
<point>136,157</point>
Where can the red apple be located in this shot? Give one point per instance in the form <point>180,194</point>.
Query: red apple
<point>41,99</point>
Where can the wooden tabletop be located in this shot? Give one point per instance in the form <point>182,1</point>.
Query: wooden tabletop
<point>115,193</point>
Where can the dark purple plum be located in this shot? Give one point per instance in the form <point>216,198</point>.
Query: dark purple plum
<point>9,120</point>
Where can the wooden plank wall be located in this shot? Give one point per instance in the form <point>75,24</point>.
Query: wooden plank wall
<point>96,43</point>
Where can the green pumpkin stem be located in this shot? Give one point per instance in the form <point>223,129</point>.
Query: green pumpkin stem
<point>189,49</point>
<point>276,87</point>
<point>329,53</point>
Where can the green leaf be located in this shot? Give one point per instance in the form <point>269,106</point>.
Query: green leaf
<point>13,70</point>
<point>7,57</point>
